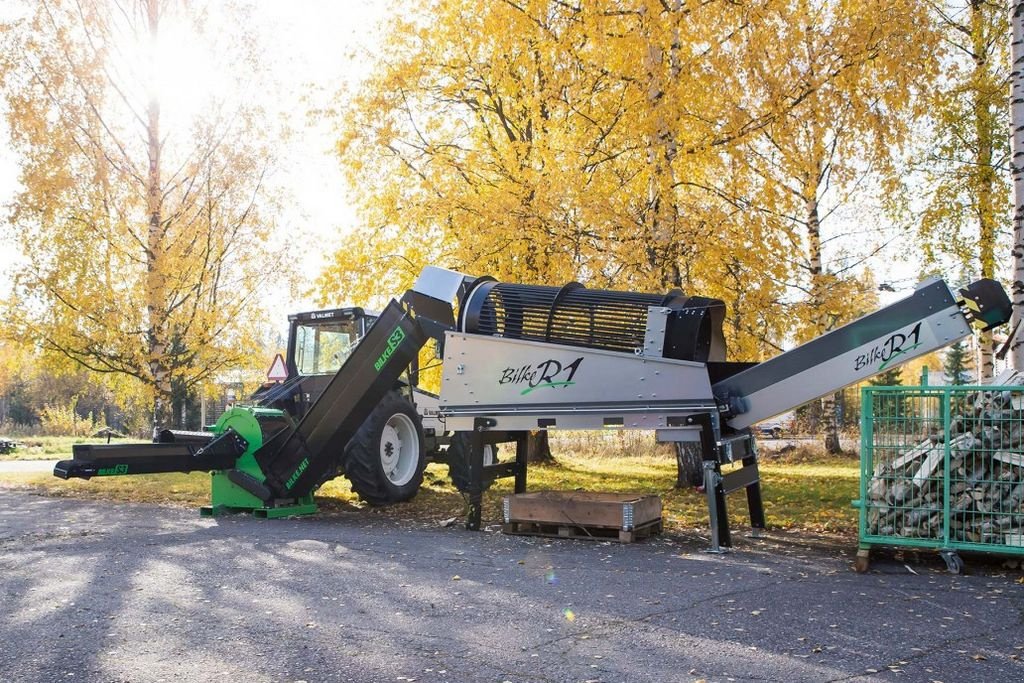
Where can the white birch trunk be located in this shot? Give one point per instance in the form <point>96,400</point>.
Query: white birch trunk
<point>822,324</point>
<point>1017,171</point>
<point>986,134</point>
<point>156,279</point>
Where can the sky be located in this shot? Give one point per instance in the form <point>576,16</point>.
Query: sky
<point>326,44</point>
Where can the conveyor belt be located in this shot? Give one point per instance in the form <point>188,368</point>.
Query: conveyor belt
<point>295,461</point>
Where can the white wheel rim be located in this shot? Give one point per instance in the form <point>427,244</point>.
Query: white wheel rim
<point>399,449</point>
<point>489,458</point>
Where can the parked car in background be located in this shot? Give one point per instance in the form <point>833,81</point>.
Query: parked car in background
<point>776,428</point>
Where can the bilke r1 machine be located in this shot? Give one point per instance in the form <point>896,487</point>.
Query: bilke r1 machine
<point>524,357</point>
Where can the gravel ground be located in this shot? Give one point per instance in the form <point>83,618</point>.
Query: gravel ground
<point>122,592</point>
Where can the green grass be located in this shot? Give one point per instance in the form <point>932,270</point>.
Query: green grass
<point>806,495</point>
<point>52,447</point>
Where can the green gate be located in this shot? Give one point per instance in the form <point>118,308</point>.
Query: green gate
<point>943,468</point>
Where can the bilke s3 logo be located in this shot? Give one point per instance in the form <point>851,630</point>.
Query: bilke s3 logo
<point>396,338</point>
<point>889,352</point>
<point>547,374</point>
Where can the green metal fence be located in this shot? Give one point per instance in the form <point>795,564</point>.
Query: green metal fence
<point>943,467</point>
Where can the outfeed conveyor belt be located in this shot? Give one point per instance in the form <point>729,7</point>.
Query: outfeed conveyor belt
<point>929,319</point>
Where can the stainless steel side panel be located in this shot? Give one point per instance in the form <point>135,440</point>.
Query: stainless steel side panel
<point>496,372</point>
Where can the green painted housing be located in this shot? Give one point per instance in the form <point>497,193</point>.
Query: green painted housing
<point>228,497</point>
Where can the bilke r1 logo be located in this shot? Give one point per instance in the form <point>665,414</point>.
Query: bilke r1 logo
<point>547,374</point>
<point>889,352</point>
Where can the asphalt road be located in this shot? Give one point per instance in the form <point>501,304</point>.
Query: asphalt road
<point>119,593</point>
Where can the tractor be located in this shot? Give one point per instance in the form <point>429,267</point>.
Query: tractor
<point>384,461</point>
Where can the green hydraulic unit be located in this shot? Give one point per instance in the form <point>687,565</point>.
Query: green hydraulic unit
<point>260,460</point>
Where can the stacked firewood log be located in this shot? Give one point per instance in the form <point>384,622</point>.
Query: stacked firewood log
<point>906,494</point>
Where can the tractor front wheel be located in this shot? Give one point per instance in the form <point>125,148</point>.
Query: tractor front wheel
<point>385,459</point>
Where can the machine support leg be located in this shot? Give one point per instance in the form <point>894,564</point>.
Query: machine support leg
<point>713,484</point>
<point>476,466</point>
<point>724,533</point>
<point>522,451</point>
<point>754,502</point>
<point>717,513</point>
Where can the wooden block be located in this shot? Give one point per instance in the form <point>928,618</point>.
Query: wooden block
<point>583,533</point>
<point>878,489</point>
<point>918,451</point>
<point>934,459</point>
<point>1015,459</point>
<point>581,514</point>
<point>1015,539</point>
<point>929,466</point>
<point>1008,377</point>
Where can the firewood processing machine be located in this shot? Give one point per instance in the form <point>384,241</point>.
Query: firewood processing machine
<point>521,358</point>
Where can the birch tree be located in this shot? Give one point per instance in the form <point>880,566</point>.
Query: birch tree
<point>1017,176</point>
<point>145,234</point>
<point>967,146</point>
<point>829,153</point>
<point>541,141</point>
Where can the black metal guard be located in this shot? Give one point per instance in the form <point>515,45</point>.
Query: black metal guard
<point>478,473</point>
<point>101,460</point>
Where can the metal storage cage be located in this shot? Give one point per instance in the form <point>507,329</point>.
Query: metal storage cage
<point>943,468</point>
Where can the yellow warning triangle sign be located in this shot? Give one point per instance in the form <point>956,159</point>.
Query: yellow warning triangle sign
<point>278,371</point>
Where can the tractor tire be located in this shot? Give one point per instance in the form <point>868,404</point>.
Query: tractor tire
<point>457,457</point>
<point>689,464</point>
<point>384,461</point>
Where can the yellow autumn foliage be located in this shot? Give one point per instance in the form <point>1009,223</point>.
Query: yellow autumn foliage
<point>145,242</point>
<point>612,143</point>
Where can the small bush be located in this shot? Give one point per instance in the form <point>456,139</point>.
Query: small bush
<point>65,421</point>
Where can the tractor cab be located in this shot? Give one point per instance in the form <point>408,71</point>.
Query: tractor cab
<point>319,342</point>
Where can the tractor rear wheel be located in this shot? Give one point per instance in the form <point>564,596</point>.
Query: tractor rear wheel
<point>458,460</point>
<point>384,461</point>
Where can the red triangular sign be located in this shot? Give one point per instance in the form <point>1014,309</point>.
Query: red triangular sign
<point>278,371</point>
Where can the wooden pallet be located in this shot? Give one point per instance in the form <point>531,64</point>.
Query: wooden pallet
<point>625,517</point>
<point>591,533</point>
